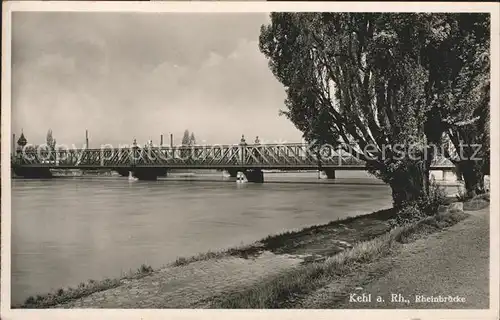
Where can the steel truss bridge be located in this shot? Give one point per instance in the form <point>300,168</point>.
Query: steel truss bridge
<point>290,156</point>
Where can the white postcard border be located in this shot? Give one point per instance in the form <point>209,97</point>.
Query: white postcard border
<point>205,7</point>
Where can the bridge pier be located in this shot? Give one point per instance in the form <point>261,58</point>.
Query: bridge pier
<point>330,173</point>
<point>162,172</point>
<point>232,172</point>
<point>122,171</point>
<point>149,174</point>
<point>32,173</point>
<point>254,175</point>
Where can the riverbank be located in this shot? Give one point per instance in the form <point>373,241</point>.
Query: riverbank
<point>343,273</point>
<point>239,271</point>
<point>255,260</point>
<point>451,263</point>
<point>404,261</point>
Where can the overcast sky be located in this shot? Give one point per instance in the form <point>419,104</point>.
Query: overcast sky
<point>126,75</point>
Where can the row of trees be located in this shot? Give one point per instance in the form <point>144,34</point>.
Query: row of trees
<point>188,139</point>
<point>50,141</point>
<point>379,80</point>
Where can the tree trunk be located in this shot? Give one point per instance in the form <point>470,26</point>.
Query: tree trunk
<point>409,183</point>
<point>473,177</point>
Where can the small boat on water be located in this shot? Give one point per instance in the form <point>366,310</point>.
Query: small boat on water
<point>241,178</point>
<point>322,175</point>
<point>131,177</point>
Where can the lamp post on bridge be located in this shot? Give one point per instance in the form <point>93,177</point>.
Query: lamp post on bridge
<point>243,145</point>
<point>258,149</point>
<point>86,139</point>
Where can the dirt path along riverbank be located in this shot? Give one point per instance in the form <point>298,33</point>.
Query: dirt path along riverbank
<point>453,262</point>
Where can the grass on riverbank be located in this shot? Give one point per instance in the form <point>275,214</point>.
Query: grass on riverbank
<point>84,289</point>
<point>281,291</point>
<point>244,252</point>
<point>477,203</point>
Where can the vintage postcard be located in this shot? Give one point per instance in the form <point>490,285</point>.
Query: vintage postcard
<point>187,159</point>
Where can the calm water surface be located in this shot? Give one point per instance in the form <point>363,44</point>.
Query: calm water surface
<point>65,231</point>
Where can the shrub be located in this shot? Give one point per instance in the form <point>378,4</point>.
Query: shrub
<point>30,300</point>
<point>181,261</point>
<point>484,196</point>
<point>426,205</point>
<point>462,195</point>
<point>145,269</point>
<point>430,202</point>
<point>408,214</point>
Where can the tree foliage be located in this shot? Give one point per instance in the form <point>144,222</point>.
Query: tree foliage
<point>188,139</point>
<point>185,138</point>
<point>458,61</point>
<point>51,142</point>
<point>364,82</point>
<point>192,139</point>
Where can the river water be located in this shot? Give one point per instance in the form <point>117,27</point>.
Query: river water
<point>69,230</point>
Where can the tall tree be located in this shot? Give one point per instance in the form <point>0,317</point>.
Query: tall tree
<point>354,80</point>
<point>51,142</point>
<point>185,143</point>
<point>386,80</point>
<point>185,138</point>
<point>457,57</point>
<point>192,139</point>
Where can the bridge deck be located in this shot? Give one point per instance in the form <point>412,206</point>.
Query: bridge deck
<point>283,156</point>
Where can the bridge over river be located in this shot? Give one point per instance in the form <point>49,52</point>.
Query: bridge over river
<point>149,162</point>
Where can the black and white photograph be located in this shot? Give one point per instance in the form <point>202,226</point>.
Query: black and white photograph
<point>217,156</point>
